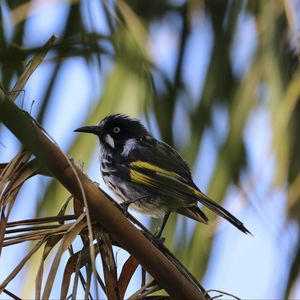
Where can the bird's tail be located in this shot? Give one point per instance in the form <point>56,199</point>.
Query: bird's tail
<point>193,212</point>
<point>218,209</point>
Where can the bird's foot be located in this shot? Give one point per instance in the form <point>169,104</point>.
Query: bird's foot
<point>159,239</point>
<point>124,208</point>
<point>97,184</point>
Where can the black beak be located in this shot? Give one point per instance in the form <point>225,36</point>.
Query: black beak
<point>89,129</point>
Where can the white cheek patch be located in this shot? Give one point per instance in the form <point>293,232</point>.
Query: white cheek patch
<point>109,140</point>
<point>129,145</point>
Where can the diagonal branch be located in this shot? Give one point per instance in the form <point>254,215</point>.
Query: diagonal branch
<point>34,138</point>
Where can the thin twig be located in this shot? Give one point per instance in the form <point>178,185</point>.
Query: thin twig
<point>41,220</point>
<point>30,68</point>
<point>89,222</point>
<point>222,293</point>
<point>145,290</point>
<point>13,296</point>
<point>31,228</point>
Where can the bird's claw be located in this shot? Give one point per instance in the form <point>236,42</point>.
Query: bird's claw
<point>124,208</point>
<point>159,240</point>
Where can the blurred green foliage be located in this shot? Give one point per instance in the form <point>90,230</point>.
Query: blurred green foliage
<point>136,85</point>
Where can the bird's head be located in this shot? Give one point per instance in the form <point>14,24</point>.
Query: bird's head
<point>114,130</point>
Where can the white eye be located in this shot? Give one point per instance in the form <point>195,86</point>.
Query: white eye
<point>116,129</point>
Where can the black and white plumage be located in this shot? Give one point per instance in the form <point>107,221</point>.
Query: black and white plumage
<point>149,174</point>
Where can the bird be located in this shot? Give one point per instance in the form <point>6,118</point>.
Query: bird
<point>149,175</point>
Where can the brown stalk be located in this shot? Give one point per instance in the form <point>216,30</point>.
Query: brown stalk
<point>109,265</point>
<point>75,262</point>
<point>12,178</point>
<point>41,220</point>
<point>65,243</point>
<point>127,272</point>
<point>19,267</point>
<point>46,151</point>
<point>49,245</point>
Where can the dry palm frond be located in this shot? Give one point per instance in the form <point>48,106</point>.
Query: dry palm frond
<point>36,229</point>
<point>146,290</point>
<point>221,294</point>
<point>109,265</point>
<point>65,243</point>
<point>10,294</point>
<point>53,230</point>
<point>127,272</point>
<point>62,230</point>
<point>12,178</point>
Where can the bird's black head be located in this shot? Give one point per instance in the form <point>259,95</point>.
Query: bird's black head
<point>114,130</point>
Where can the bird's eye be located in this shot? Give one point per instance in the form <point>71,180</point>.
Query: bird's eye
<point>116,129</point>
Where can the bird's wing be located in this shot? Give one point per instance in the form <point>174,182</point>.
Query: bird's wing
<point>158,153</point>
<point>174,186</point>
<point>161,169</point>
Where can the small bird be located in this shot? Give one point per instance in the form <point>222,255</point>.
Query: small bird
<point>149,175</point>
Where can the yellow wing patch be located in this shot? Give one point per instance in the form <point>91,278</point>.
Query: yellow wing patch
<point>139,177</point>
<point>147,165</point>
<point>199,193</point>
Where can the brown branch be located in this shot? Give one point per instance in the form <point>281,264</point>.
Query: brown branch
<point>35,140</point>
